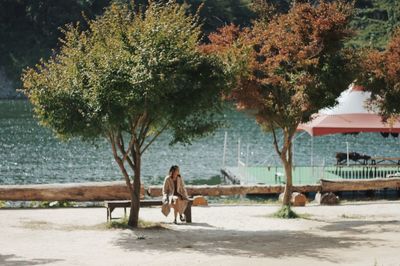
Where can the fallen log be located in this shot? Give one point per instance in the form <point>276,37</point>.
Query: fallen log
<point>359,184</point>
<point>219,190</point>
<point>95,191</point>
<point>99,191</point>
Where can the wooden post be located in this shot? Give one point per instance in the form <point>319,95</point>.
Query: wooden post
<point>188,212</point>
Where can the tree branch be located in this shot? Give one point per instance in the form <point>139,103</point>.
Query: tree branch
<point>122,148</point>
<point>154,138</point>
<point>126,153</point>
<point>142,136</point>
<point>120,163</point>
<point>275,140</point>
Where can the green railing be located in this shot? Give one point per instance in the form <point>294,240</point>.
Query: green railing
<point>307,175</point>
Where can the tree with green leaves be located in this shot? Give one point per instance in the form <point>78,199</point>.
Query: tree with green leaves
<point>288,67</point>
<point>133,75</point>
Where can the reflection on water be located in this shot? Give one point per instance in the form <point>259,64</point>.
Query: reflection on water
<point>30,153</point>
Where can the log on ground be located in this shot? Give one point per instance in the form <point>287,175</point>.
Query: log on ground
<point>359,184</point>
<point>94,191</point>
<point>219,190</point>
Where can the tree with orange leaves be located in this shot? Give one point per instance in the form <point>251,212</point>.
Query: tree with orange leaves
<point>287,67</point>
<point>381,76</point>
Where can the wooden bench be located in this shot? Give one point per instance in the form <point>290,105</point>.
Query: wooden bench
<point>111,205</point>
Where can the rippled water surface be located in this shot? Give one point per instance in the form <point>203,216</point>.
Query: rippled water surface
<point>30,153</point>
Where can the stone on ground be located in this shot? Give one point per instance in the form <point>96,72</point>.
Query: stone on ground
<point>199,201</point>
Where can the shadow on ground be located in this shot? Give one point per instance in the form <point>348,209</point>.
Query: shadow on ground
<point>362,226</point>
<point>13,260</point>
<point>215,241</point>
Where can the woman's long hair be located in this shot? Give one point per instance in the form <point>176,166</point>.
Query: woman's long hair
<point>173,169</point>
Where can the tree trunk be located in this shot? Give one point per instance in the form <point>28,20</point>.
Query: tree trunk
<point>288,186</point>
<point>286,158</point>
<point>135,203</point>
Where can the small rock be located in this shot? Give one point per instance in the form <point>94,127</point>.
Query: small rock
<point>280,198</point>
<point>329,199</point>
<point>199,201</point>
<point>298,199</point>
<point>317,198</point>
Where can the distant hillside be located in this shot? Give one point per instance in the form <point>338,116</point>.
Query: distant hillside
<point>29,30</point>
<point>374,21</point>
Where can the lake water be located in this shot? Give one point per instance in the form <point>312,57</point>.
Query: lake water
<point>30,154</point>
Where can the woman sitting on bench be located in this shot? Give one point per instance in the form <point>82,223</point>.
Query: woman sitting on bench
<point>174,194</point>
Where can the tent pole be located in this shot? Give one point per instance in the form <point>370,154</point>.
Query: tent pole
<point>292,153</point>
<point>224,154</point>
<point>247,154</point>
<point>312,151</point>
<point>238,152</point>
<point>312,157</point>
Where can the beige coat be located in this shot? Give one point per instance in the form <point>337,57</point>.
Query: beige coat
<point>168,193</point>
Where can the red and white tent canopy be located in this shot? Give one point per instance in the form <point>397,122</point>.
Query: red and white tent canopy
<point>348,116</point>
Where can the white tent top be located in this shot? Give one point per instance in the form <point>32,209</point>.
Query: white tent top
<point>351,101</point>
<point>348,116</point>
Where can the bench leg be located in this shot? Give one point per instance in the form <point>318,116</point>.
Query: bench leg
<point>188,212</point>
<point>108,214</point>
<point>111,210</point>
<point>125,212</point>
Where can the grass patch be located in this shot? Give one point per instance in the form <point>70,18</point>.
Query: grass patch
<point>37,225</point>
<point>2,203</point>
<point>249,201</point>
<point>285,213</point>
<point>351,216</point>
<point>123,224</point>
<point>44,225</point>
<point>305,216</point>
<point>236,200</point>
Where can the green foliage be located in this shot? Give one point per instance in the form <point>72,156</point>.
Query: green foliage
<point>126,66</point>
<point>131,76</point>
<point>374,21</point>
<point>118,224</point>
<point>51,204</point>
<point>2,203</point>
<point>216,14</point>
<point>285,212</point>
<point>29,29</point>
<point>123,224</point>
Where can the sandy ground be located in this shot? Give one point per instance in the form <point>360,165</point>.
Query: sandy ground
<point>350,234</point>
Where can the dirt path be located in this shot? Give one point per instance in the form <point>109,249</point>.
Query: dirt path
<point>351,234</point>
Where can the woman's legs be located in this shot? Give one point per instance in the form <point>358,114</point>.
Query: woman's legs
<point>179,206</point>
<point>175,212</point>
<point>174,205</point>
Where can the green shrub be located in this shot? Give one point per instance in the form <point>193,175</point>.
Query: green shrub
<point>286,213</point>
<point>53,204</point>
<point>123,224</point>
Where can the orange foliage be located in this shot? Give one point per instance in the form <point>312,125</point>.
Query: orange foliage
<point>282,76</point>
<point>288,67</point>
<point>381,75</point>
